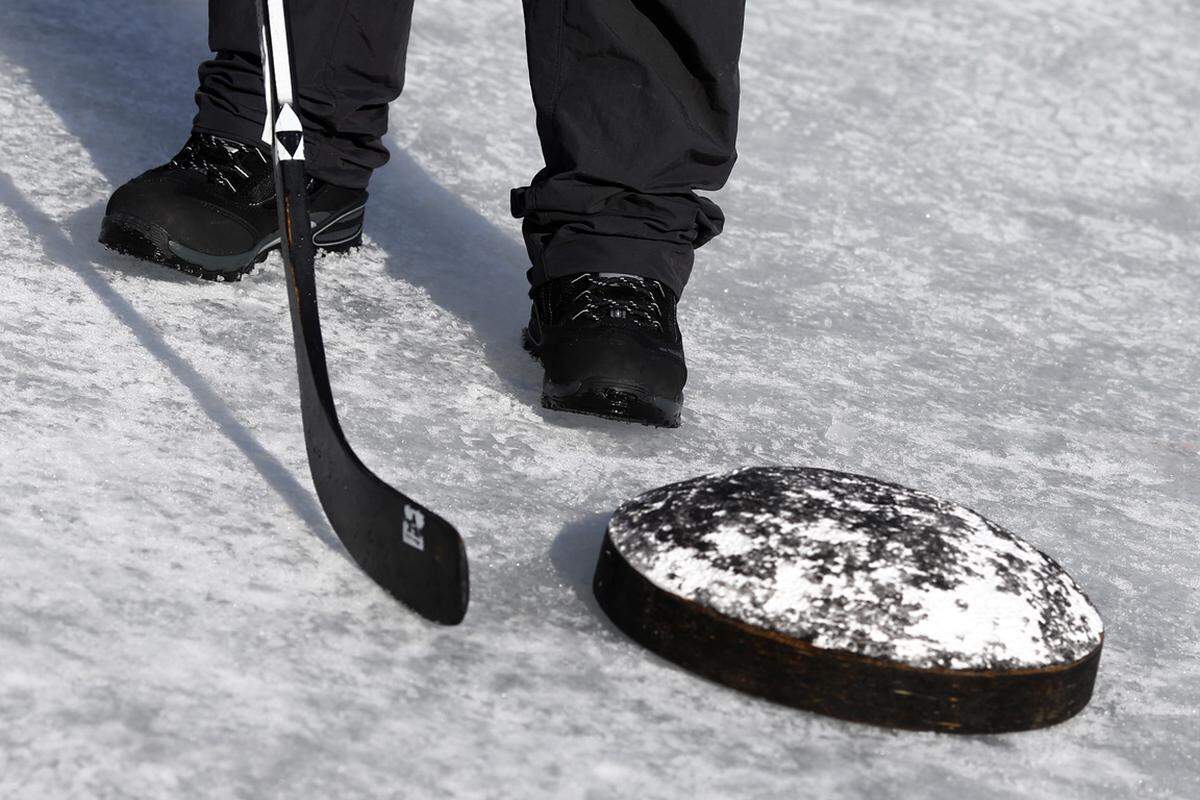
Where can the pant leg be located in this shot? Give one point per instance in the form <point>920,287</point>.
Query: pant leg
<point>636,109</point>
<point>350,64</point>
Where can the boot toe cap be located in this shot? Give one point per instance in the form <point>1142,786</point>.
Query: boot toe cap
<point>617,357</point>
<point>172,209</point>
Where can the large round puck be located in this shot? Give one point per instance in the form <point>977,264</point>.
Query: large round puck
<point>851,597</point>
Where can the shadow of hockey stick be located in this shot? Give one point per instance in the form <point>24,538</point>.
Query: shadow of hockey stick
<point>61,250</point>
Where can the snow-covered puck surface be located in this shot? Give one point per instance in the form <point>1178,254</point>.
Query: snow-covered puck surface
<point>850,563</point>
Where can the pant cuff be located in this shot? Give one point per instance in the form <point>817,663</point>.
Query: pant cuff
<point>573,252</point>
<point>321,159</point>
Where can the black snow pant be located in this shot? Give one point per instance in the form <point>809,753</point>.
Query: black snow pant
<point>636,102</point>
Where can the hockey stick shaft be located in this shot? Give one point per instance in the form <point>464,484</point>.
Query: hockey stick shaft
<point>408,549</point>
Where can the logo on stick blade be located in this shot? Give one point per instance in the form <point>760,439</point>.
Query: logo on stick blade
<point>289,135</point>
<point>410,529</point>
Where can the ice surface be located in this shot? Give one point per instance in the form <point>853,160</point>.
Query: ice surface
<point>962,255</point>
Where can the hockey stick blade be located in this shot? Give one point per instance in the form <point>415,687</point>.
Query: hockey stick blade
<point>407,549</point>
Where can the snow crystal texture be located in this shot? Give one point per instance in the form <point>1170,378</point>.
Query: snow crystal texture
<point>847,562</point>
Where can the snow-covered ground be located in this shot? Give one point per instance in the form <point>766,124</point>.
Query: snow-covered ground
<point>962,255</point>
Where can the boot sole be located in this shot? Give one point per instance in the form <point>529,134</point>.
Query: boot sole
<point>610,398</point>
<point>133,236</point>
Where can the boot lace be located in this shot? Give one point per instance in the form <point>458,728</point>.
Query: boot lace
<point>602,298</point>
<point>238,167</point>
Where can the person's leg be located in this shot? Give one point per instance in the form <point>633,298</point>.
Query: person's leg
<point>210,211</point>
<point>350,63</point>
<point>637,108</point>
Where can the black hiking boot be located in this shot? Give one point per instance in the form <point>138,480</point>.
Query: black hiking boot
<point>610,345</point>
<point>210,211</point>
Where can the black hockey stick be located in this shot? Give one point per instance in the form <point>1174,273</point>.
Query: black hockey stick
<point>409,550</point>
